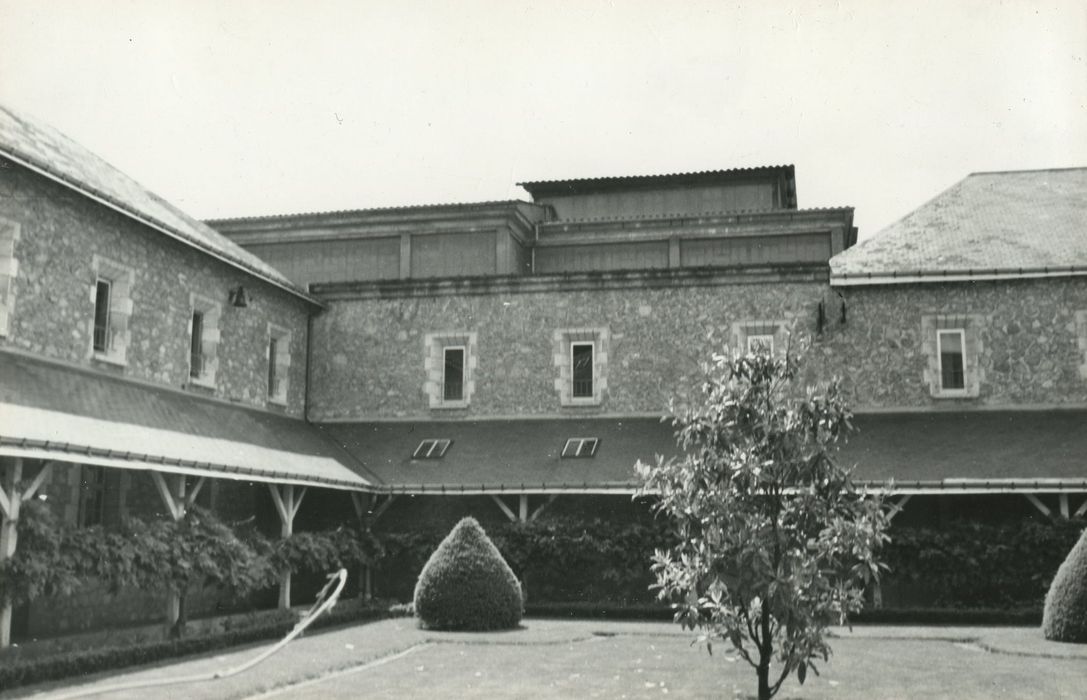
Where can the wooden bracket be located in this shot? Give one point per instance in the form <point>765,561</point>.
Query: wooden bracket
<point>505,509</point>
<point>896,508</point>
<point>1037,502</point>
<point>543,506</point>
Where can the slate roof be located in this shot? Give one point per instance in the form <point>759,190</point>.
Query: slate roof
<point>949,450</point>
<point>512,455</point>
<point>62,412</point>
<point>38,145</point>
<point>920,452</point>
<point>1001,223</point>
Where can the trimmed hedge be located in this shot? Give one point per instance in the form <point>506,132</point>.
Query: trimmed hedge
<point>467,585</point>
<point>39,669</point>
<point>1065,615</point>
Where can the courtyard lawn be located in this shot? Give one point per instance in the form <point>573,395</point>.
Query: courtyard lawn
<point>578,659</point>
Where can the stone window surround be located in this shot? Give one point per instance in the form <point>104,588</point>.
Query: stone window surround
<point>563,340</point>
<point>9,272</point>
<point>434,345</point>
<point>971,325</point>
<point>121,279</point>
<point>942,333</point>
<point>744,331</point>
<point>282,362</point>
<point>209,338</point>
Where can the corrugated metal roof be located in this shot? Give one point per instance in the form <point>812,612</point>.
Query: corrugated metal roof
<point>371,210</point>
<point>988,223</point>
<point>633,179</point>
<point>71,411</point>
<point>40,146</point>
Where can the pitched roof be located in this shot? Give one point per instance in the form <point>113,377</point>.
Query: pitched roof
<point>505,455</point>
<point>55,411</point>
<point>543,188</point>
<point>952,450</point>
<point>1002,224</point>
<point>40,147</point>
<point>972,450</point>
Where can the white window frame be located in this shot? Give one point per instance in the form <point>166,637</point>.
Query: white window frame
<point>564,340</point>
<point>434,346</point>
<point>463,373</point>
<point>108,344</point>
<point>951,391</point>
<point>209,336</point>
<point>431,449</point>
<point>120,279</point>
<point>579,445</point>
<point>9,272</point>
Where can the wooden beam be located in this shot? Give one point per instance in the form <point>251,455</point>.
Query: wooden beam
<point>1082,510</point>
<point>1037,502</point>
<point>505,509</point>
<point>897,507</point>
<point>297,502</point>
<point>543,506</point>
<point>37,482</point>
<point>176,510</point>
<point>383,507</point>
<point>359,504</point>
<point>8,537</point>
<point>281,507</point>
<point>191,497</point>
<point>1063,500</point>
<point>522,508</point>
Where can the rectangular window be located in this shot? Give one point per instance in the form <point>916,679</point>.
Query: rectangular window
<point>760,343</point>
<point>101,316</point>
<point>453,374</point>
<point>950,345</point>
<point>431,449</point>
<point>196,345</point>
<point>580,447</point>
<point>273,378</point>
<point>581,359</point>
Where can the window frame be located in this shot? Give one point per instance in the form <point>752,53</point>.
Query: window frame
<point>279,364</point>
<point>593,444</point>
<point>442,446</point>
<point>196,344</point>
<point>574,395</point>
<point>102,307</point>
<point>463,349</point>
<point>759,337</point>
<point>954,390</point>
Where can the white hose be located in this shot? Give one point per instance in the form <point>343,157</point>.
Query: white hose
<point>325,601</point>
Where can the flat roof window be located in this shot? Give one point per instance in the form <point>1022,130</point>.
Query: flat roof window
<point>580,447</point>
<point>431,449</point>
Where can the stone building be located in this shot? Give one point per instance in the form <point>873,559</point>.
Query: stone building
<point>504,359</point>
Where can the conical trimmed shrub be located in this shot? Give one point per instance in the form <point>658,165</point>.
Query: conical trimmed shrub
<point>467,585</point>
<point>1065,616</point>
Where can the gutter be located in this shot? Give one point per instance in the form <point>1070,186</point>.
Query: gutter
<point>843,279</point>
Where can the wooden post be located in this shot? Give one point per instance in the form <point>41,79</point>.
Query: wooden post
<point>287,504</point>
<point>522,511</point>
<point>11,501</point>
<point>361,510</point>
<point>177,503</point>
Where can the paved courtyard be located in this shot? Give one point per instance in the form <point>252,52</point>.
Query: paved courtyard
<point>579,659</point>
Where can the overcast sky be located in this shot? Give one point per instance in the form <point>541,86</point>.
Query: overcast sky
<point>243,108</point>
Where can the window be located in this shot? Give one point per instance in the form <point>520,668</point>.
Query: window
<point>450,360</point>
<point>431,449</point>
<point>102,334</point>
<point>581,360</point>
<point>203,341</point>
<point>950,346</point>
<point>111,295</point>
<point>279,364</point>
<point>453,374</point>
<point>954,349</point>
<point>581,357</point>
<point>9,270</point>
<point>196,345</point>
<point>760,343</point>
<point>580,447</point>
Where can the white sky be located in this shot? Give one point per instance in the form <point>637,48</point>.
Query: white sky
<point>241,108</point>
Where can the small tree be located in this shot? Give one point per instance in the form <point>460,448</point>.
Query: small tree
<point>775,542</point>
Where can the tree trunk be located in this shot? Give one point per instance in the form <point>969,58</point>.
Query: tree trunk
<point>764,680</point>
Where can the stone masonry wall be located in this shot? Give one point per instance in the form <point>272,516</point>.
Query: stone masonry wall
<point>60,234</point>
<point>1030,348</point>
<point>369,354</point>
